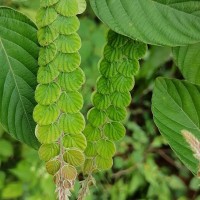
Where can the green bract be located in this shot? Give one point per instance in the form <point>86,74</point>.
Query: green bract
<point>117,68</point>
<point>58,117</point>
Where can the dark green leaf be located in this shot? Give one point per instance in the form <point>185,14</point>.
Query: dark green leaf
<point>188,61</point>
<point>157,22</point>
<point>18,68</point>
<point>175,108</point>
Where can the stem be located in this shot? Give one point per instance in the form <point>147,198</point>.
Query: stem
<point>60,189</point>
<point>85,187</point>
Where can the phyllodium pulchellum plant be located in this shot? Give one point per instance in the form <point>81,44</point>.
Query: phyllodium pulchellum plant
<point>59,121</point>
<point>58,117</point>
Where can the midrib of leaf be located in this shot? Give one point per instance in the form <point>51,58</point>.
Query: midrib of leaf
<point>13,75</point>
<point>185,114</point>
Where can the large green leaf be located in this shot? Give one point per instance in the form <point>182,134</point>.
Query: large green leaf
<point>160,22</point>
<point>188,61</point>
<point>176,107</point>
<point>18,69</point>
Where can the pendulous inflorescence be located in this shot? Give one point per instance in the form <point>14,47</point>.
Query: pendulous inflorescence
<point>58,117</point>
<point>105,126</point>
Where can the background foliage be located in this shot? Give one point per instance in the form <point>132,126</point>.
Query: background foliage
<point>144,167</point>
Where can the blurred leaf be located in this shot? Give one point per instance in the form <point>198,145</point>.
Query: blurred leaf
<point>23,171</point>
<point>6,148</point>
<point>136,182</point>
<point>2,179</point>
<point>1,130</point>
<point>158,142</point>
<point>138,134</point>
<point>12,190</point>
<point>156,57</point>
<point>195,184</point>
<point>119,191</point>
<point>176,183</point>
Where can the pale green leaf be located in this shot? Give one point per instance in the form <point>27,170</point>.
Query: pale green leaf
<point>103,164</point>
<point>72,123</point>
<point>48,151</point>
<point>74,157</point>
<point>75,140</point>
<point>105,148</point>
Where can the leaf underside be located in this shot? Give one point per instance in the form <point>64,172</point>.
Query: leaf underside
<point>175,106</point>
<point>159,22</point>
<point>18,69</point>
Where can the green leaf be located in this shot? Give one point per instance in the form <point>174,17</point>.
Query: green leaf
<point>47,3</point>
<point>66,25</point>
<point>67,7</point>
<point>96,117</point>
<point>48,134</point>
<point>12,191</point>
<point>158,22</point>
<point>6,148</point>
<point>81,6</point>
<point>88,166</point>
<point>91,149</point>
<point>71,102</point>
<point>46,94</point>
<point>105,148</point>
<point>175,107</point>
<point>92,133</point>
<point>188,61</point>
<point>18,68</point>
<point>116,114</point>
<point>114,131</point>
<point>103,163</point>
<point>68,43</point>
<point>75,140</point>
<point>72,123</point>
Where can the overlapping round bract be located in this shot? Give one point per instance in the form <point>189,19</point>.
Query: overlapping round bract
<point>46,94</point>
<point>49,151</point>
<point>75,140</point>
<point>46,16</point>
<point>71,81</point>
<point>72,123</point>
<point>59,121</point>
<point>47,35</point>
<point>74,157</point>
<point>48,134</point>
<point>67,8</point>
<point>46,114</point>
<point>53,166</point>
<point>67,62</point>
<point>47,74</point>
<point>118,67</point>
<point>66,25</point>
<point>71,102</point>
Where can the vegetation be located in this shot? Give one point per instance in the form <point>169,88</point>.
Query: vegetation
<point>87,70</point>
